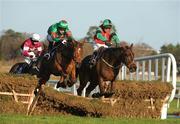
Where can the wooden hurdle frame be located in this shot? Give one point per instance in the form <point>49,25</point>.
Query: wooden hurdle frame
<point>16,95</point>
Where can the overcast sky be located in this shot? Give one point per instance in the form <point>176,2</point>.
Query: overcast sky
<point>155,22</point>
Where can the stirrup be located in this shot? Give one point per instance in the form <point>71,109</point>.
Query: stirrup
<point>36,68</point>
<point>93,61</point>
<point>47,56</point>
<point>36,91</point>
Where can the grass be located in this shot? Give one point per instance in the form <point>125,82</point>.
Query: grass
<point>22,119</point>
<point>173,107</point>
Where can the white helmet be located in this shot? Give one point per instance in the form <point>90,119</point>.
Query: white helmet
<point>35,37</point>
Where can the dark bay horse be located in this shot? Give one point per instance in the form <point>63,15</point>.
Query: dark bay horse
<point>106,69</point>
<point>25,68</point>
<point>63,64</point>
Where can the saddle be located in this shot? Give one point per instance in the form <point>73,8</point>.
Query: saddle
<point>49,55</point>
<point>96,56</point>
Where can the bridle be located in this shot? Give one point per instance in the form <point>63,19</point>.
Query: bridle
<point>114,67</point>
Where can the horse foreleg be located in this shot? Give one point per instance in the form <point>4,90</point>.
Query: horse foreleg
<point>42,81</point>
<point>72,76</point>
<point>102,86</point>
<point>112,87</point>
<point>83,80</point>
<point>61,83</point>
<point>39,86</point>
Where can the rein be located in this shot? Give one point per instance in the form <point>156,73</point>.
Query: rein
<point>116,67</point>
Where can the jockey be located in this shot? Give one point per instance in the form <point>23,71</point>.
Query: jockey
<point>58,33</point>
<point>103,38</point>
<point>32,48</point>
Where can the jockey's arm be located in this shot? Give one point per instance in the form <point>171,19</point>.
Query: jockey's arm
<point>69,35</point>
<point>100,36</point>
<point>26,51</point>
<point>39,49</point>
<point>55,37</point>
<point>115,38</point>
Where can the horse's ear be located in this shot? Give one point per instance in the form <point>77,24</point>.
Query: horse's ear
<point>82,42</point>
<point>131,45</point>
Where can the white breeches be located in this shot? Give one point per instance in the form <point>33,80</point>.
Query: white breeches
<point>96,46</point>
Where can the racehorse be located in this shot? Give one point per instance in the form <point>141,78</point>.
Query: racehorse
<point>106,69</point>
<point>62,63</point>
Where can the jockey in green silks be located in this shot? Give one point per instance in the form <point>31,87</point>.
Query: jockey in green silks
<point>104,37</point>
<point>58,33</point>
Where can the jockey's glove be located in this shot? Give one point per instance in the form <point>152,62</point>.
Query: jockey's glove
<point>108,43</point>
<point>32,55</point>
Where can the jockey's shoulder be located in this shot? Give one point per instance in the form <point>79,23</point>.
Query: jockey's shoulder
<point>53,28</point>
<point>38,44</point>
<point>27,41</point>
<point>99,30</point>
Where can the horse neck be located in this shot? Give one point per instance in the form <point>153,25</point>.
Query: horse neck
<point>113,56</point>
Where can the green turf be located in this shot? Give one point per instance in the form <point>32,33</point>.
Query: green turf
<point>173,107</point>
<point>21,119</point>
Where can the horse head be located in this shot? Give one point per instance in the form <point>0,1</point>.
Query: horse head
<point>128,57</point>
<point>78,52</point>
<point>67,49</point>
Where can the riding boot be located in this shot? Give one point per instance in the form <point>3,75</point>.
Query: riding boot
<point>22,68</point>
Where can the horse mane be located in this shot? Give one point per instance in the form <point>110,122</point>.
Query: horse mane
<point>115,53</point>
<point>112,52</point>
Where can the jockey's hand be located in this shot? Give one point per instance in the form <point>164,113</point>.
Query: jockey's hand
<point>31,55</point>
<point>64,42</point>
<point>108,43</point>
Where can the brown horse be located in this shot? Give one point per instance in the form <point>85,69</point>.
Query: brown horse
<point>106,69</point>
<point>63,64</point>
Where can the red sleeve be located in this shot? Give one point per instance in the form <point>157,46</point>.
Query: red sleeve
<point>39,48</point>
<point>26,47</point>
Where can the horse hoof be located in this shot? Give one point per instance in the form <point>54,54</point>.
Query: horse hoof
<point>36,91</point>
<point>109,94</point>
<point>96,95</point>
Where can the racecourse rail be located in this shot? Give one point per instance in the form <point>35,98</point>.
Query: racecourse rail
<point>148,70</point>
